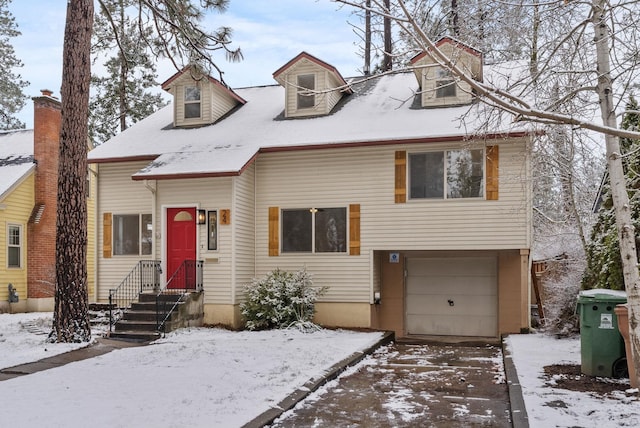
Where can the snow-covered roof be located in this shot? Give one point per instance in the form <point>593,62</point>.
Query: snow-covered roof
<point>380,111</point>
<point>16,158</point>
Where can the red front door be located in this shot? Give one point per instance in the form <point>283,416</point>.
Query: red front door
<point>181,245</point>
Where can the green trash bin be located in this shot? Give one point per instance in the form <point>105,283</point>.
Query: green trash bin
<point>602,349</point>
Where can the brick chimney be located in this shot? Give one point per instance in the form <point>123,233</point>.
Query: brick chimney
<point>41,237</point>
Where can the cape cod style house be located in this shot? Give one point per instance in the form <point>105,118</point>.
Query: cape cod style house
<point>416,221</point>
<point>28,208</point>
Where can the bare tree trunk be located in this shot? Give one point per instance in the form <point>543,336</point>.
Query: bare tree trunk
<point>367,39</point>
<point>622,208</point>
<point>533,61</point>
<point>71,318</point>
<point>388,61</point>
<point>124,66</point>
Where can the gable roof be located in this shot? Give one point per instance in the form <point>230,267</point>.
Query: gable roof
<point>16,159</point>
<point>166,85</point>
<point>452,41</point>
<point>325,65</point>
<point>381,111</point>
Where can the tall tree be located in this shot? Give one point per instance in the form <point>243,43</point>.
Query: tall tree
<point>604,264</point>
<point>602,40</point>
<point>12,98</point>
<point>123,96</point>
<point>178,36</point>
<point>71,312</point>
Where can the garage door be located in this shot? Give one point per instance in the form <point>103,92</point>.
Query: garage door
<point>452,296</point>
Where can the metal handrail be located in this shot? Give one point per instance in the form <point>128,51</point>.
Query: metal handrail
<point>188,277</point>
<point>144,276</point>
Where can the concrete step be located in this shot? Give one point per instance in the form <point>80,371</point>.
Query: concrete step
<point>134,336</point>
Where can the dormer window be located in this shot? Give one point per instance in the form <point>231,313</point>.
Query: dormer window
<point>192,102</point>
<point>306,84</point>
<point>445,84</point>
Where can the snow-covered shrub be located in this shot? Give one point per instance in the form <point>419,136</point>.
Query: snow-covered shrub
<point>281,300</point>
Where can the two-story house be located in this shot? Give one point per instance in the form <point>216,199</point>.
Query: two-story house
<point>416,220</point>
<point>28,211</point>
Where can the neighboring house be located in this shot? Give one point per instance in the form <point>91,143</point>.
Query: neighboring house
<point>415,222</point>
<point>28,201</point>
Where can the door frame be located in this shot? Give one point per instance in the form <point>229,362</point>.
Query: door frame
<point>163,240</point>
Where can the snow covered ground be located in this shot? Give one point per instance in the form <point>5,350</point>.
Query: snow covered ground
<point>549,406</point>
<point>217,378</point>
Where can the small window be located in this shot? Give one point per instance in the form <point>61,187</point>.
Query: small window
<point>445,84</point>
<point>14,250</point>
<point>132,234</point>
<point>191,102</point>
<point>450,174</point>
<point>314,230</point>
<point>306,83</point>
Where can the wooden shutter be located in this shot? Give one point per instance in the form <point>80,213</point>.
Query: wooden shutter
<point>492,168</point>
<point>274,223</point>
<point>401,177</point>
<point>106,235</point>
<point>354,230</point>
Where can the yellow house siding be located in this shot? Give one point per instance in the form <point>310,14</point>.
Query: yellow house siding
<point>17,209</point>
<point>366,176</point>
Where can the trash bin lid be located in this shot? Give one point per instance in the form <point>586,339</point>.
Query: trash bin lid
<point>602,295</point>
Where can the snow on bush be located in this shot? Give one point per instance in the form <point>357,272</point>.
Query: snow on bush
<point>281,300</point>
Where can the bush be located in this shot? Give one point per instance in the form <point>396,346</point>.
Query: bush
<point>281,300</point>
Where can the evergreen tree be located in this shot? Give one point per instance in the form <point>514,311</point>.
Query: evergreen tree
<point>123,96</point>
<point>604,264</point>
<point>176,35</point>
<point>12,99</point>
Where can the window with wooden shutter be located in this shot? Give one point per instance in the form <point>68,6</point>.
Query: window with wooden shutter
<point>492,169</point>
<point>354,229</point>
<point>401,177</point>
<point>106,235</point>
<point>274,231</point>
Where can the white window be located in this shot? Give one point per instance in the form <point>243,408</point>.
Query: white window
<point>448,174</point>
<point>445,84</point>
<point>132,234</point>
<point>191,102</point>
<point>14,246</point>
<point>306,83</point>
<point>314,230</point>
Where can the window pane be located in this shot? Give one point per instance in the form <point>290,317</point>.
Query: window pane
<point>147,234</point>
<point>14,257</point>
<point>331,230</point>
<point>445,88</point>
<point>296,230</point>
<point>191,110</point>
<point>306,81</point>
<point>465,174</point>
<point>126,234</point>
<point>14,235</point>
<point>191,93</point>
<point>426,175</point>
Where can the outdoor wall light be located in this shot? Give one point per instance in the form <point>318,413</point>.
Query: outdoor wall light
<point>202,217</point>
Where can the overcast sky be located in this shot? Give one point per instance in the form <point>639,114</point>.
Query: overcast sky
<point>269,32</point>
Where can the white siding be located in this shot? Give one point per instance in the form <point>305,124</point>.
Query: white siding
<point>365,176</point>
<point>243,225</point>
<point>118,195</point>
<point>306,67</point>
<point>209,194</point>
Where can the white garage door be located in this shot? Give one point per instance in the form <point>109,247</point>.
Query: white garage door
<point>452,296</point>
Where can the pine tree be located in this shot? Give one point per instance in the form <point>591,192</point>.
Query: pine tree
<point>12,98</point>
<point>604,264</point>
<point>178,36</point>
<point>122,97</point>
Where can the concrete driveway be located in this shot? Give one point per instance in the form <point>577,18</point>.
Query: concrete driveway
<point>413,384</point>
